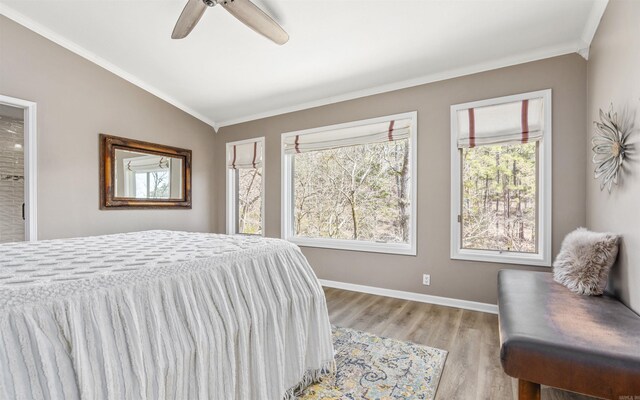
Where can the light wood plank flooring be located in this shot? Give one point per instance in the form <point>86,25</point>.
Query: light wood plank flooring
<point>472,370</point>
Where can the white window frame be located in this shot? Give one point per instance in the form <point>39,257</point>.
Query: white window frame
<point>287,204</point>
<point>544,224</point>
<point>231,187</point>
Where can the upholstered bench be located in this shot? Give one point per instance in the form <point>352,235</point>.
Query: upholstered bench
<point>550,336</point>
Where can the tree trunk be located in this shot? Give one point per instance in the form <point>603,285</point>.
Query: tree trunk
<point>354,217</point>
<point>402,183</point>
<point>486,192</point>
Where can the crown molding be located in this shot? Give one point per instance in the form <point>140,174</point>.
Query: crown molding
<point>539,54</point>
<point>84,53</point>
<point>590,28</point>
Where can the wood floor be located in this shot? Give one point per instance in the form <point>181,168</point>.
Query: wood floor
<point>472,370</point>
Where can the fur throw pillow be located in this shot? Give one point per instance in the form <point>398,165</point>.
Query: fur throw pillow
<point>584,261</point>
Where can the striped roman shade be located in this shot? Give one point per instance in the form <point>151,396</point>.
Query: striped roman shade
<point>344,137</point>
<point>149,163</point>
<point>245,155</point>
<point>507,123</point>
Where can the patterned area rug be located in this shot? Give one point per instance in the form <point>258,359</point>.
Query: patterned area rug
<point>373,367</point>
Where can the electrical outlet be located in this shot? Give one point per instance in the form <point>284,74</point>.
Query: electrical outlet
<point>426,279</point>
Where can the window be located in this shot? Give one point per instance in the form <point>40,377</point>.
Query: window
<point>152,185</point>
<point>151,176</point>
<point>245,187</point>
<point>501,179</point>
<point>352,186</point>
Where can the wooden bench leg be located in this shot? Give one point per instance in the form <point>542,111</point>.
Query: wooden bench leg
<point>528,390</point>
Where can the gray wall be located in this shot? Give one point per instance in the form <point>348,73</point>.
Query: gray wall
<point>613,75</point>
<point>77,100</point>
<point>474,281</point>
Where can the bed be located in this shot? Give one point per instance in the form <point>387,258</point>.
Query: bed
<point>160,315</point>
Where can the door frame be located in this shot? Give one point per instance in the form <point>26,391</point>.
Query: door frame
<point>30,164</point>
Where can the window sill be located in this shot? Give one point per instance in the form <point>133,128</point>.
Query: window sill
<point>536,260</point>
<point>355,245</point>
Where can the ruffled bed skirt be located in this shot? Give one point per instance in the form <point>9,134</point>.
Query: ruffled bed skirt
<point>249,325</point>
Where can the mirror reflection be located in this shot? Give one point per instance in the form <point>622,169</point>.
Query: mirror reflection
<point>142,175</point>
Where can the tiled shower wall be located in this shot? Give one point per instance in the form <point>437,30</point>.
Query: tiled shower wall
<point>11,179</point>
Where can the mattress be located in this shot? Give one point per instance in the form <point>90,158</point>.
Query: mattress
<point>160,315</point>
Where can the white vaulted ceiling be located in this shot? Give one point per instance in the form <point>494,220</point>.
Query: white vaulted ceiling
<point>224,73</point>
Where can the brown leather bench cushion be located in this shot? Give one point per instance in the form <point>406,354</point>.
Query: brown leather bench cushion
<point>551,336</point>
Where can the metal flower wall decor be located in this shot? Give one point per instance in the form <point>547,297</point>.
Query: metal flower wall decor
<point>609,147</point>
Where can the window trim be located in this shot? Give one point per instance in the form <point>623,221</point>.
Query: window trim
<point>287,200</point>
<point>231,192</point>
<point>543,257</point>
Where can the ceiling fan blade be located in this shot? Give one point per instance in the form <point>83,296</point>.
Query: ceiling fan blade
<point>256,19</point>
<point>188,19</point>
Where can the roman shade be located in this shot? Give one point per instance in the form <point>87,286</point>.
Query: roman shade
<point>507,123</point>
<point>344,137</point>
<point>245,155</point>
<point>147,164</point>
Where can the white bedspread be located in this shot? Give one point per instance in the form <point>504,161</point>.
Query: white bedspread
<point>160,315</point>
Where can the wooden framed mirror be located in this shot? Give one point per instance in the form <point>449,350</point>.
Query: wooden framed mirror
<point>136,174</point>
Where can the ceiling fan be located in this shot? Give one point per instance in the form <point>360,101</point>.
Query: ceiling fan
<point>244,10</point>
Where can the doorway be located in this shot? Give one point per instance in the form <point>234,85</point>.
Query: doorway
<point>17,170</point>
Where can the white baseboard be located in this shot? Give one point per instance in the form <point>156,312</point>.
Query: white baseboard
<point>422,298</point>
